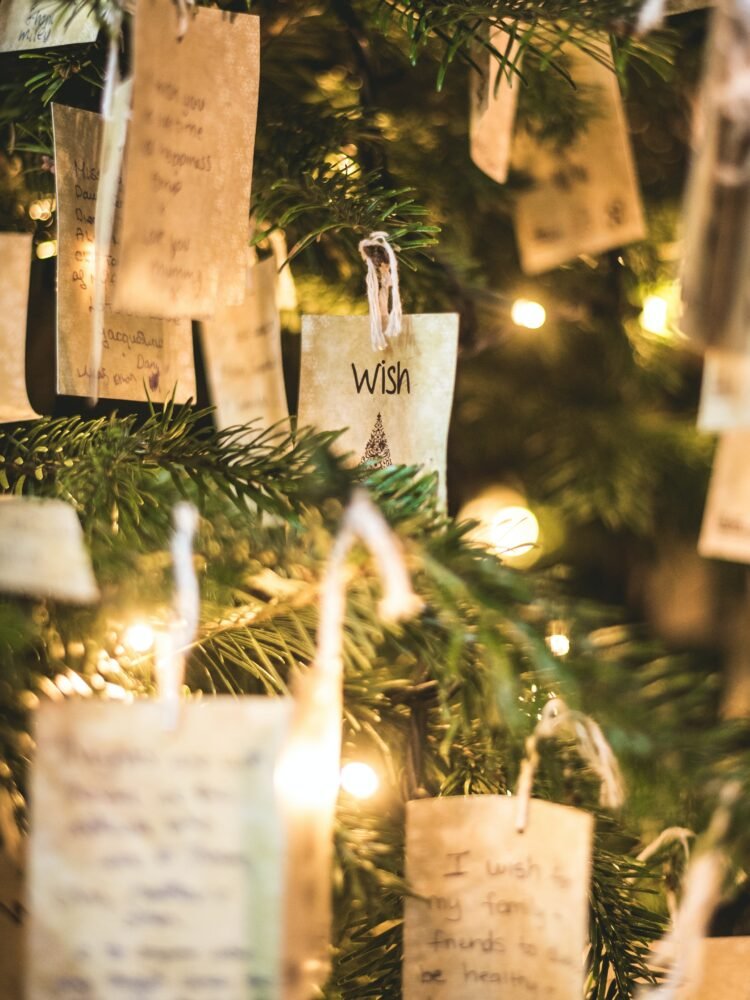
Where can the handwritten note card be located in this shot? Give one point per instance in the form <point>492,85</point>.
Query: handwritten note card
<point>44,553</point>
<point>242,346</point>
<point>140,357</point>
<point>502,913</point>
<point>493,110</point>
<point>725,392</point>
<point>189,161</point>
<point>395,404</point>
<point>725,533</point>
<point>15,264</point>
<point>583,198</point>
<point>156,865</point>
<point>38,24</point>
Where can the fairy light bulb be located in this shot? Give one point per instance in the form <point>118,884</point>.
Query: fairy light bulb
<point>655,314</point>
<point>528,314</point>
<point>558,643</point>
<point>139,637</point>
<point>304,775</point>
<point>505,525</point>
<point>46,249</point>
<point>359,780</point>
<point>513,531</point>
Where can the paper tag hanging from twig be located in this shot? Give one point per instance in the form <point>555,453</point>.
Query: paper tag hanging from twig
<point>39,24</point>
<point>188,165</point>
<point>725,391</point>
<point>494,97</point>
<point>583,198</point>
<point>15,254</point>
<point>725,533</point>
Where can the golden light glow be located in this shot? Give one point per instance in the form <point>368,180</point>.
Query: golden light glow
<point>528,314</point>
<point>559,644</point>
<point>654,318</point>
<point>46,249</point>
<point>42,209</point>
<point>359,780</point>
<point>139,637</point>
<point>505,526</point>
<point>304,776</point>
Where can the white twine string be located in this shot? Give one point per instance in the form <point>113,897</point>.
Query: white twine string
<point>591,745</point>
<point>672,835</point>
<point>183,18</point>
<point>650,16</point>
<point>383,295</point>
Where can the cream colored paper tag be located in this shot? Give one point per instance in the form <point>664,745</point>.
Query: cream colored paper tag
<point>725,392</point>
<point>502,913</point>
<point>493,110</point>
<point>242,347</point>
<point>15,265</point>
<point>725,964</point>
<point>141,358</point>
<point>583,198</point>
<point>396,403</point>
<point>725,533</point>
<point>39,24</point>
<point>12,920</point>
<point>44,553</point>
<point>156,864</point>
<point>189,161</point>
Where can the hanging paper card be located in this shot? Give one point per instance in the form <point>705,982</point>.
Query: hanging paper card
<point>495,912</point>
<point>493,109</point>
<point>242,347</point>
<point>395,403</point>
<point>725,533</point>
<point>39,24</point>
<point>156,865</point>
<point>584,197</point>
<point>725,392</point>
<point>11,929</point>
<point>725,964</point>
<point>15,254</point>
<point>44,554</point>
<point>189,161</point>
<point>141,358</point>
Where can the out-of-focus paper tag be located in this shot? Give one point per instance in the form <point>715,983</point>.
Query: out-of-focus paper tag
<point>725,533</point>
<point>188,165</point>
<point>242,346</point>
<point>395,404</point>
<point>501,913</point>
<point>583,198</point>
<point>12,920</point>
<point>493,109</point>
<point>156,863</point>
<point>44,553</point>
<point>725,965</point>
<point>725,393</point>
<point>15,264</point>
<point>39,24</point>
<point>141,357</point>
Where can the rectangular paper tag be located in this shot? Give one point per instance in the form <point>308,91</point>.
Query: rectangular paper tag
<point>493,110</point>
<point>395,404</point>
<point>141,357</point>
<point>15,254</point>
<point>583,198</point>
<point>495,912</point>
<point>156,866</point>
<point>39,24</point>
<point>725,392</point>
<point>189,161</point>
<point>725,533</point>
<point>242,347</point>
<point>725,965</point>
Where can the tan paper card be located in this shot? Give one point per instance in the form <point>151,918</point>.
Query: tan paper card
<point>585,197</point>
<point>395,404</point>
<point>12,918</point>
<point>502,913</point>
<point>725,533</point>
<point>189,161</point>
<point>15,265</point>
<point>725,965</point>
<point>242,347</point>
<point>493,110</point>
<point>156,857</point>
<point>141,358</point>
<point>44,552</point>
<point>39,24</point>
<point>725,392</point>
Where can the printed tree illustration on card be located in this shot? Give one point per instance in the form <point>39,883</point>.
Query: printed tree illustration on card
<point>377,453</point>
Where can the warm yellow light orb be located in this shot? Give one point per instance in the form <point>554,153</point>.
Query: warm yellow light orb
<point>139,637</point>
<point>359,780</point>
<point>306,775</point>
<point>528,314</point>
<point>559,644</point>
<point>46,249</point>
<point>505,525</point>
<point>655,315</point>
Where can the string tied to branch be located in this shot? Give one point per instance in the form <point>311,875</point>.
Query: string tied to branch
<point>383,295</point>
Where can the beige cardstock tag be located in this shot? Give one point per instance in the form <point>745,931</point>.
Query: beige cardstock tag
<point>725,964</point>
<point>242,347</point>
<point>725,392</point>
<point>156,857</point>
<point>395,404</point>
<point>141,357</point>
<point>500,913</point>
<point>493,110</point>
<point>725,533</point>
<point>585,197</point>
<point>15,269</point>
<point>12,920</point>
<point>39,24</point>
<point>44,553</point>
<point>188,165</point>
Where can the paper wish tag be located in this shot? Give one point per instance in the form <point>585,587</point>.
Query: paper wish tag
<point>156,856</point>
<point>15,266</point>
<point>141,357</point>
<point>725,532</point>
<point>396,403</point>
<point>44,552</point>
<point>39,24</point>
<point>242,346</point>
<point>725,392</point>
<point>724,970</point>
<point>583,198</point>
<point>12,921</point>
<point>495,912</point>
<point>188,166</point>
<point>493,109</point>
